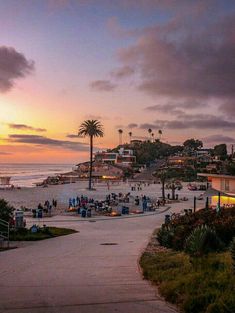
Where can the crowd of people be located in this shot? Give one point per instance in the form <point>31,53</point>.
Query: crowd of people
<point>117,202</point>
<point>46,208</point>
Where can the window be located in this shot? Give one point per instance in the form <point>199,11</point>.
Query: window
<point>225,184</point>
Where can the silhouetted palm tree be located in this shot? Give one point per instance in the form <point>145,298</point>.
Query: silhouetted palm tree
<point>162,175</point>
<point>91,128</point>
<point>130,135</point>
<point>160,134</point>
<point>152,137</point>
<point>150,132</point>
<point>120,131</point>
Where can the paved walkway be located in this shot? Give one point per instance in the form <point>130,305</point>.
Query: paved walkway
<point>95,270</point>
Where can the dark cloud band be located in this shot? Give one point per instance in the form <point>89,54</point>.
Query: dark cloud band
<point>13,65</point>
<point>26,127</point>
<point>41,140</point>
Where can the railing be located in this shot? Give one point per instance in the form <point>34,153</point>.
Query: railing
<point>4,232</point>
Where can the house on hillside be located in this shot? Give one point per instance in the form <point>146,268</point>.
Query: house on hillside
<point>180,161</point>
<point>222,189</point>
<point>135,142</point>
<point>203,152</point>
<point>124,157</point>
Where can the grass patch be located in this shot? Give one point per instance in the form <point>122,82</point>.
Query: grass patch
<point>206,285</point>
<point>6,248</point>
<point>43,233</point>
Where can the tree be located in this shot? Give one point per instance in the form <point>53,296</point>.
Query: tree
<point>6,211</point>
<point>160,134</point>
<point>120,131</point>
<point>91,128</point>
<point>152,137</point>
<point>130,135</point>
<point>162,175</point>
<point>192,145</point>
<point>150,132</point>
<point>221,151</point>
<point>230,168</point>
<point>172,186</point>
<point>167,175</point>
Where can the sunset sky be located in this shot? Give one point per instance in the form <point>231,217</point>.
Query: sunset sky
<point>133,64</point>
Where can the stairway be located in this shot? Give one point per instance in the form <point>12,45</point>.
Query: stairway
<point>4,234</point>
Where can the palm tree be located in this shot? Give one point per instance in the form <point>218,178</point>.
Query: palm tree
<point>150,132</point>
<point>160,133</point>
<point>167,175</point>
<point>152,137</point>
<point>130,135</point>
<point>91,128</point>
<point>162,176</point>
<point>120,131</point>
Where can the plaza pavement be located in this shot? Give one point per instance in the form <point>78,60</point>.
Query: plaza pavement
<point>94,270</point>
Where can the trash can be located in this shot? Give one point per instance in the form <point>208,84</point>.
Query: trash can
<point>39,213</point>
<point>167,219</point>
<point>19,219</point>
<point>123,210</point>
<point>83,214</point>
<point>34,213</point>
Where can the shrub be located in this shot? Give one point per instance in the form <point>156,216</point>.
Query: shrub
<point>174,234</point>
<point>6,211</point>
<point>232,251</point>
<point>210,289</point>
<point>198,303</point>
<point>201,241</point>
<point>165,236</point>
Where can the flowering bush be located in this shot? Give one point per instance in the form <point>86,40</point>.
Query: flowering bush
<point>174,234</point>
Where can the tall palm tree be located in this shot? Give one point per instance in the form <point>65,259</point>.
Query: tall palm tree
<point>150,132</point>
<point>120,131</point>
<point>130,135</point>
<point>159,133</point>
<point>152,137</point>
<point>91,128</point>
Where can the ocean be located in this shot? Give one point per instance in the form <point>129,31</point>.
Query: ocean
<point>27,175</point>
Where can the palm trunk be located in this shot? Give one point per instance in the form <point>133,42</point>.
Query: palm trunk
<point>163,190</point>
<point>91,156</point>
<point>173,192</point>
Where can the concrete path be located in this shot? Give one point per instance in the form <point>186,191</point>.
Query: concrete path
<point>95,270</point>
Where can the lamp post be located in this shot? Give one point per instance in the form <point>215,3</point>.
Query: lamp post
<point>194,204</point>
<point>218,201</point>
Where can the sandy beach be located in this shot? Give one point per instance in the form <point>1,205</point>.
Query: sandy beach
<point>31,197</point>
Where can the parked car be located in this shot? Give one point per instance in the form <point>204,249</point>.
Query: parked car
<point>200,197</point>
<point>201,187</point>
<point>192,187</point>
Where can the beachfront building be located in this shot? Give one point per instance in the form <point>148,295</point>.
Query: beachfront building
<point>135,142</point>
<point>180,161</point>
<point>5,180</point>
<point>222,189</point>
<point>100,170</point>
<point>124,157</point>
<point>203,152</point>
